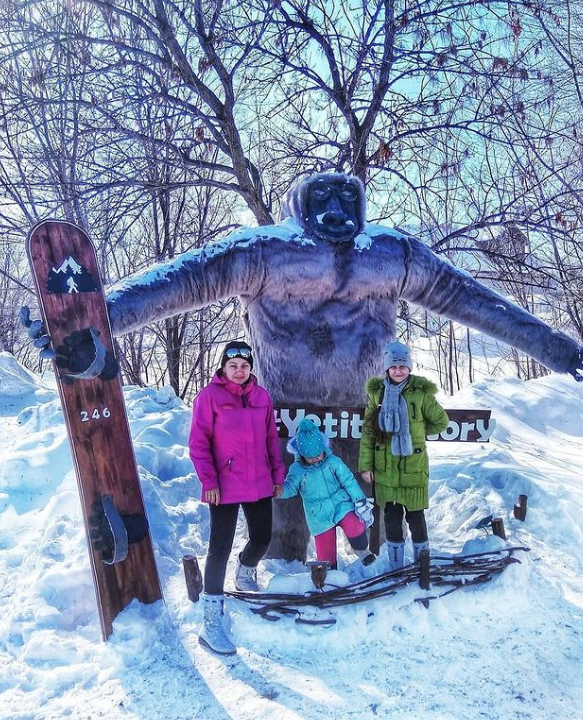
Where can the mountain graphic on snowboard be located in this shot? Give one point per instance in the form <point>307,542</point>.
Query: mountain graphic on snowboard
<point>70,277</point>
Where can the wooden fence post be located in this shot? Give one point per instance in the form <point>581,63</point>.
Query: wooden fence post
<point>424,568</point>
<point>319,570</point>
<point>374,542</point>
<point>520,508</point>
<point>193,577</point>
<point>498,527</point>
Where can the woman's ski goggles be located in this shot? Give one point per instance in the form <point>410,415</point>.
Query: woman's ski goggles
<point>244,353</point>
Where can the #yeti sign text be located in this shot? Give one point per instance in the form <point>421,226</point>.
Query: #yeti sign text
<point>346,423</point>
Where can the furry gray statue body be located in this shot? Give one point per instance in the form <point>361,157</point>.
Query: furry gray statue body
<point>320,290</point>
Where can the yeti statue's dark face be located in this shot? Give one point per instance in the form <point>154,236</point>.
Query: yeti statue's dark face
<point>332,210</point>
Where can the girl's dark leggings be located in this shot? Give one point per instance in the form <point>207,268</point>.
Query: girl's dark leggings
<point>394,523</point>
<point>223,526</point>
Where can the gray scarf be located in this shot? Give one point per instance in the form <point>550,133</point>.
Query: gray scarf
<point>394,418</point>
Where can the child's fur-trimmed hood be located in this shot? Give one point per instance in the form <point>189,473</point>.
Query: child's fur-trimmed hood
<point>416,382</point>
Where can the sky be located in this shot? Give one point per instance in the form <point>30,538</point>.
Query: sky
<point>510,649</point>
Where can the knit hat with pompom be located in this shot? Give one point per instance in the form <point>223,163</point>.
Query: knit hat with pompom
<point>309,440</point>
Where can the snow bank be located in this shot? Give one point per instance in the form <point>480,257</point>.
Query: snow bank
<point>509,649</point>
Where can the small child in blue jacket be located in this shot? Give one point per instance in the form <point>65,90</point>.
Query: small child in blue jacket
<point>330,494</point>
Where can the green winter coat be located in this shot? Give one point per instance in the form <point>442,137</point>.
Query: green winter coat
<point>405,479</point>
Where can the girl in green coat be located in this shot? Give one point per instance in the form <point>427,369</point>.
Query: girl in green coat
<point>401,410</point>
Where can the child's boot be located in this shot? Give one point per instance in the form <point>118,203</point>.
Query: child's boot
<point>396,554</point>
<point>366,557</point>
<point>245,577</point>
<point>212,634</point>
<point>359,544</point>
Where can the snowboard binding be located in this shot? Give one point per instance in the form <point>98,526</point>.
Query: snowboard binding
<point>112,533</point>
<point>85,356</point>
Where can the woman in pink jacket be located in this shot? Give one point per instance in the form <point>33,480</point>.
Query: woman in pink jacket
<point>235,450</point>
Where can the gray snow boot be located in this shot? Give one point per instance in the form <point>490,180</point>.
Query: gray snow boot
<point>246,577</point>
<point>396,554</point>
<point>212,634</point>
<point>418,547</point>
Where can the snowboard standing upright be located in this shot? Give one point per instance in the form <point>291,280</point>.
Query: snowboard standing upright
<point>72,303</point>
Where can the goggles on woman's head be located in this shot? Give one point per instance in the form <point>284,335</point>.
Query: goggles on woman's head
<point>244,353</point>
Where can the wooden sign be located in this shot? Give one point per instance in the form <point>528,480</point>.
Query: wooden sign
<point>346,423</point>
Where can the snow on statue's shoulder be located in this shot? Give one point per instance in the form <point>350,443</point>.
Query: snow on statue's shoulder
<point>364,240</point>
<point>286,231</point>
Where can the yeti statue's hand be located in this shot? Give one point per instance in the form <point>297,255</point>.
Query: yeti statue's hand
<point>576,365</point>
<point>81,352</point>
<point>85,356</point>
<point>76,353</point>
<point>38,333</point>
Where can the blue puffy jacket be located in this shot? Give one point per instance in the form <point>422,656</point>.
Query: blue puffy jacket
<point>328,490</point>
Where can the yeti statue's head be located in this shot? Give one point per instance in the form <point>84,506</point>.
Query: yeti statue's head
<point>329,206</point>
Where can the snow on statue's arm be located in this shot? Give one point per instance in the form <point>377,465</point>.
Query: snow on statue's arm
<point>228,268</point>
<point>435,284</point>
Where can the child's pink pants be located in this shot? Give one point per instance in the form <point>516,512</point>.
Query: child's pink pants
<point>326,542</point>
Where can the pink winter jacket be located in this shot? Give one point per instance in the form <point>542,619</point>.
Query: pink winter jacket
<point>233,441</point>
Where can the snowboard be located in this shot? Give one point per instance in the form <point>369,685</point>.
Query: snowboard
<point>72,303</point>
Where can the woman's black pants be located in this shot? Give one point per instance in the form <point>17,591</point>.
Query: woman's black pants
<point>223,525</point>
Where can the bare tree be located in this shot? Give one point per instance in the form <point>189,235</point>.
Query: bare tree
<point>159,125</point>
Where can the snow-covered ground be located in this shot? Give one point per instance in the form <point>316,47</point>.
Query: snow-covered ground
<point>510,649</point>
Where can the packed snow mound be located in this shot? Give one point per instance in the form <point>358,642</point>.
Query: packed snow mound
<point>510,648</point>
<point>551,404</point>
<point>16,381</point>
<point>538,438</point>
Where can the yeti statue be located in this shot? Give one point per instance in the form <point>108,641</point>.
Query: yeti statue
<point>320,290</point>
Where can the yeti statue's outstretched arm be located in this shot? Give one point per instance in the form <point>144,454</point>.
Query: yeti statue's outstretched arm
<point>454,294</point>
<point>320,290</point>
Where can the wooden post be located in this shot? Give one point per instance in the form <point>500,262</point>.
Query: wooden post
<point>374,543</point>
<point>498,527</point>
<point>424,567</point>
<point>193,577</point>
<point>520,508</point>
<point>319,570</point>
